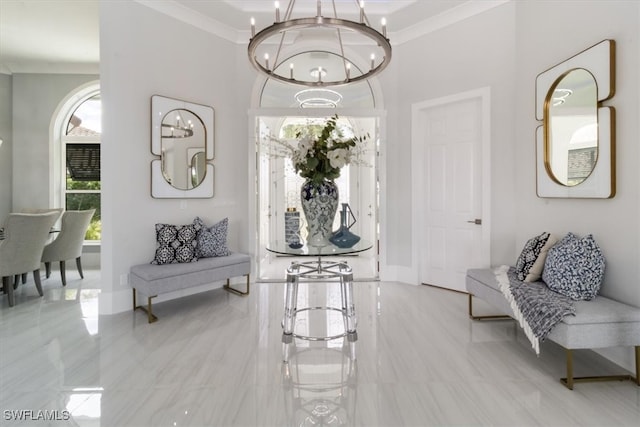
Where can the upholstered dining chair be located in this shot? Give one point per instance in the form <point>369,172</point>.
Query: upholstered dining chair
<point>68,244</point>
<point>37,210</point>
<point>21,250</point>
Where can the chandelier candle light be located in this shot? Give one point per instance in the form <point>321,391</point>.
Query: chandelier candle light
<point>285,70</point>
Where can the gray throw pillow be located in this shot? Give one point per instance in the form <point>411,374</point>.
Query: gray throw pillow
<point>212,241</point>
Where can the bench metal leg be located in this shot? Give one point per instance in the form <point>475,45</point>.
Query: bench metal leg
<point>150,316</point>
<point>491,317</point>
<point>570,380</point>
<point>228,288</point>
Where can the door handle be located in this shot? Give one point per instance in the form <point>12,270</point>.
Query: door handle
<point>476,221</point>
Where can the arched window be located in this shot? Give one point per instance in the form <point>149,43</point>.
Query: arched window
<point>80,158</point>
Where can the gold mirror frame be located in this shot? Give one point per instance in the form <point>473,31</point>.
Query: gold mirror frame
<point>571,128</point>
<point>599,61</point>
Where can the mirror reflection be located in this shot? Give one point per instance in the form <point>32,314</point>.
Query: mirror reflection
<point>183,149</point>
<point>571,127</point>
<point>198,168</point>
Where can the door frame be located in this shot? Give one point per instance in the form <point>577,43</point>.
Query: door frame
<point>253,140</point>
<point>418,133</point>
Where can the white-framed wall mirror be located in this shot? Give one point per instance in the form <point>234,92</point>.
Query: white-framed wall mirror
<point>182,135</point>
<point>575,146</point>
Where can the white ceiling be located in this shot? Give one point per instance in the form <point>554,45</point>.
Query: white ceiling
<point>62,36</point>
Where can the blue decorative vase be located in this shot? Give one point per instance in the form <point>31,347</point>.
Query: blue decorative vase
<point>319,204</point>
<point>344,238</point>
<point>292,228</point>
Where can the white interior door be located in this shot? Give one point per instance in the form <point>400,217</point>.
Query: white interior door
<point>453,235</point>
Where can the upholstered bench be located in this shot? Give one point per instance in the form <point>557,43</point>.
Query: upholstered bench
<point>151,280</point>
<point>599,323</point>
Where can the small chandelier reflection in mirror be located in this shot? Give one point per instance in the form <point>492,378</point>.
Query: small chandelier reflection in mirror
<point>180,128</point>
<point>266,47</point>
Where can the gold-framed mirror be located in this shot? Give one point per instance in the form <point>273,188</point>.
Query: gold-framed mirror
<point>575,146</point>
<point>571,127</point>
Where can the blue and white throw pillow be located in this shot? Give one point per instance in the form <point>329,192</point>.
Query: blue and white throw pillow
<point>530,253</point>
<point>212,241</point>
<point>175,244</point>
<point>575,267</point>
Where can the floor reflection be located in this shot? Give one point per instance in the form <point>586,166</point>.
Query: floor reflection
<point>320,381</point>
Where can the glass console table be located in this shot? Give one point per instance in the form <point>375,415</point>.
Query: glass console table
<point>319,269</point>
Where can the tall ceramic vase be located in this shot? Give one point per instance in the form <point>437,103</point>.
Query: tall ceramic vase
<point>319,204</point>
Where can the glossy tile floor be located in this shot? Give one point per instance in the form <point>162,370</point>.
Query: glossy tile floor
<point>216,359</point>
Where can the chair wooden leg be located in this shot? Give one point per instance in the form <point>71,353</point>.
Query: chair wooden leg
<point>36,278</point>
<point>24,278</point>
<point>8,287</point>
<point>63,273</point>
<point>79,265</point>
<point>47,269</point>
<point>16,281</point>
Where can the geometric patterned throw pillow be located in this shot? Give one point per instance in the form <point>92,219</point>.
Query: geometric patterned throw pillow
<point>575,267</point>
<point>175,244</point>
<point>212,241</point>
<point>530,254</point>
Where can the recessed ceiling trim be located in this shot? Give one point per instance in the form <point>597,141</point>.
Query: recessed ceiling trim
<point>220,29</point>
<point>373,7</point>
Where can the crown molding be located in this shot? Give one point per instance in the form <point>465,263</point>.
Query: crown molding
<point>189,16</point>
<point>445,19</point>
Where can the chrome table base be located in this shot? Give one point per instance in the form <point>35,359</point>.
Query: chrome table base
<point>319,270</point>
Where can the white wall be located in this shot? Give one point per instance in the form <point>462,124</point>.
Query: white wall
<point>144,53</point>
<point>35,100</point>
<point>6,135</point>
<point>548,33</point>
<point>474,53</point>
<point>548,36</point>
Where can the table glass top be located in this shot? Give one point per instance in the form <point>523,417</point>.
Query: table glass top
<point>329,250</point>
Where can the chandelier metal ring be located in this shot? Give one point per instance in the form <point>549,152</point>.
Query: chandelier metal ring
<point>319,21</point>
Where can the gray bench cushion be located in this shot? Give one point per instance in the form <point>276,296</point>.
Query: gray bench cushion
<point>599,323</point>
<point>150,280</point>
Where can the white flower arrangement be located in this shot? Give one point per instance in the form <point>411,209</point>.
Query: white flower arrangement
<point>319,158</point>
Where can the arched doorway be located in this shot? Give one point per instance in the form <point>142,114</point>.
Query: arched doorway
<point>278,108</point>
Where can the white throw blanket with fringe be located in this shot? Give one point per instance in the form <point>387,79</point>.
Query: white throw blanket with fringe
<point>536,307</point>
